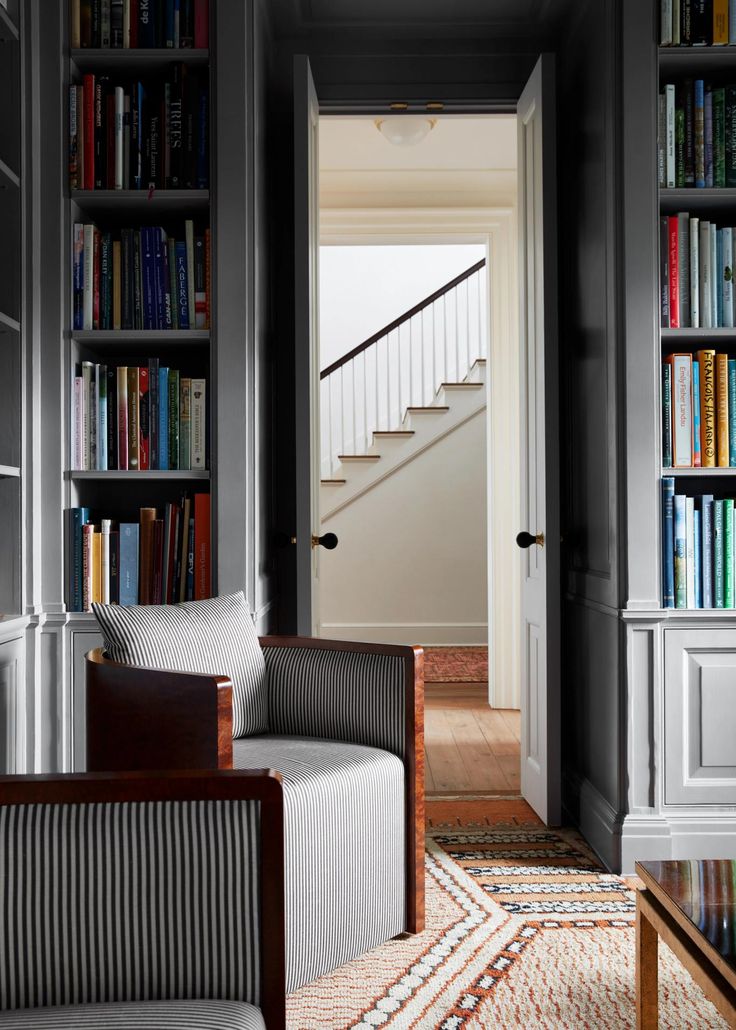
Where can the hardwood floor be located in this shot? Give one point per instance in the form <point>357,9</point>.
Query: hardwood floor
<point>470,748</point>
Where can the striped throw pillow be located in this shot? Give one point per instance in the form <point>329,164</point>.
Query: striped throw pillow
<point>214,636</point>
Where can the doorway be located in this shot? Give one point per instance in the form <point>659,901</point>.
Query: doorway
<point>409,419</point>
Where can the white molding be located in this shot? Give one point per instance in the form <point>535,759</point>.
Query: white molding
<point>595,817</point>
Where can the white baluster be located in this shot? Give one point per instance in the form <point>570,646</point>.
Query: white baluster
<point>365,404</point>
<point>329,423</point>
<point>388,381</point>
<point>377,423</point>
<point>355,441</point>
<point>411,361</point>
<point>481,334</point>
<point>421,387</point>
<point>342,411</point>
<point>445,376</point>
<point>467,323</point>
<point>458,377</point>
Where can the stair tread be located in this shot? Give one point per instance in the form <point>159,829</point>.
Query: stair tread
<point>441,408</point>
<point>393,432</point>
<point>358,457</point>
<point>333,482</point>
<point>465,386</point>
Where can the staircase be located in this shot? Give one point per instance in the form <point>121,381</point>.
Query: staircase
<point>403,389</point>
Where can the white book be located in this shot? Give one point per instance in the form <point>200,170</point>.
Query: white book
<point>189,238</point>
<point>694,272</point>
<point>705,273</point>
<point>661,140</point>
<point>714,275</point>
<point>101,422</point>
<point>78,424</point>
<point>675,22</point>
<point>690,552</point>
<point>105,526</point>
<point>665,36</point>
<point>683,268</point>
<point>199,424</point>
<point>682,410</point>
<point>122,417</point>
<point>670,121</point>
<point>119,145</point>
<point>88,277</point>
<point>728,277</point>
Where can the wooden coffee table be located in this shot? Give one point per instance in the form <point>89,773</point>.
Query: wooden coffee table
<point>691,905</point>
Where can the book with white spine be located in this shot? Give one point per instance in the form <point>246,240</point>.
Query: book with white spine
<point>670,121</point>
<point>705,274</point>
<point>105,526</point>
<point>682,410</point>
<point>714,275</point>
<point>690,551</point>
<point>694,272</point>
<point>199,424</point>
<point>727,278</point>
<point>119,141</point>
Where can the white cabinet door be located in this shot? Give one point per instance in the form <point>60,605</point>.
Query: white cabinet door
<point>700,716</point>
<point>12,697</point>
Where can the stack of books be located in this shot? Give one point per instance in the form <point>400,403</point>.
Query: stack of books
<point>696,135</point>
<point>141,278</point>
<point>139,23</point>
<point>699,559</point>
<point>137,419</point>
<point>158,560</point>
<point>140,135</point>
<point>699,411</point>
<point>695,273</point>
<point>697,22</point>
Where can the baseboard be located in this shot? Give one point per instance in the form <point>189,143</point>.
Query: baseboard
<point>598,821</point>
<point>677,835</point>
<point>430,634</point>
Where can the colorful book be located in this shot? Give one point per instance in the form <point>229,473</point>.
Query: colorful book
<point>133,418</point>
<point>185,421</point>
<point>199,424</point>
<point>682,410</point>
<point>680,551</point>
<point>78,517</point>
<point>666,415</point>
<point>697,452</point>
<point>718,554</point>
<point>668,542</point>
<point>202,571</point>
<point>144,448</point>
<point>697,558</point>
<point>706,363</point>
<point>129,543</point>
<point>163,417</point>
<point>728,592</point>
<point>722,445</point>
<point>706,505</point>
<point>173,419</point>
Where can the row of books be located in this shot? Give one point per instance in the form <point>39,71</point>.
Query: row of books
<point>697,22</point>
<point>161,559</point>
<point>141,278</point>
<point>699,411</point>
<point>124,24</point>
<point>696,137</point>
<point>698,554</point>
<point>695,273</point>
<point>137,419</point>
<point>150,134</point>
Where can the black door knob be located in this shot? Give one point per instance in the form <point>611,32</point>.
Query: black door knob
<point>527,539</point>
<point>327,540</point>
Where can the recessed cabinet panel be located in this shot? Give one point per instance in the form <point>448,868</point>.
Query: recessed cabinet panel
<point>700,717</point>
<point>10,409</point>
<point>12,678</point>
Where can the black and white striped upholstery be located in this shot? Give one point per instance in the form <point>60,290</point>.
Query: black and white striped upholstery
<point>145,1015</point>
<point>344,825</point>
<point>215,636</point>
<point>122,902</point>
<point>344,695</point>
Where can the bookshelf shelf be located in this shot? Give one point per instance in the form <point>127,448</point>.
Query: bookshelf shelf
<point>154,474</point>
<point>691,60</point>
<point>700,473</point>
<point>675,337</point>
<point>180,336</point>
<point>140,202</point>
<point>136,59</point>
<point>9,472</point>
<point>692,199</point>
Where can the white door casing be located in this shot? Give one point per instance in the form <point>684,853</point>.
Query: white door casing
<point>306,339</point>
<point>540,589</point>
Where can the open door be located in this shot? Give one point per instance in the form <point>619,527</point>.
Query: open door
<point>540,536</point>
<point>306,339</point>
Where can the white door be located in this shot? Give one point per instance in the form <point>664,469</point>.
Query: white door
<point>540,591</point>
<point>306,339</point>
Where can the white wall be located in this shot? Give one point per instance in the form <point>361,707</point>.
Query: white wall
<point>363,288</point>
<point>411,563</point>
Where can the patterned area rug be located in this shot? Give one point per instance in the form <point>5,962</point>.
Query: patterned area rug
<point>523,930</point>
<point>455,664</point>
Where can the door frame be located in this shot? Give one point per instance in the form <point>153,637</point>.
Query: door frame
<point>497,228</point>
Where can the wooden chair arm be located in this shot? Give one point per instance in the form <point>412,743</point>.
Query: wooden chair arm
<point>156,719</point>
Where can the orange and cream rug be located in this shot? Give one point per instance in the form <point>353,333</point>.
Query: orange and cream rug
<point>524,929</point>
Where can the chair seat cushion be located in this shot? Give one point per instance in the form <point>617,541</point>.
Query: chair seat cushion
<point>139,1015</point>
<point>345,847</point>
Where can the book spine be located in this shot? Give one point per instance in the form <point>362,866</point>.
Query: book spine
<point>732,412</point>
<point>105,259</point>
<point>722,448</point>
<point>680,551</point>
<point>119,98</point>
<point>708,135</point>
<point>189,239</point>
<point>683,268</point>
<point>88,566</point>
<point>706,363</point>
<point>690,552</point>
<point>123,418</point>
<point>78,424</point>
<point>79,517</point>
<point>682,410</point>
<point>75,156</point>
<point>105,20</point>
<point>96,279</point>
<point>674,281</point>
<point>208,278</point>
<point>87,413</point>
<point>116,24</point>
<point>730,136</point>
<point>78,276</point>
<point>185,421</point>
<point>202,578</point>
<point>695,272</point>
<point>732,23</point>
<point>200,285</point>
<point>137,280</point>
<point>697,451</point>
<point>707,550</point>
<point>85,23</point>
<point>148,288</point>
<point>697,559</point>
<point>175,128</point>
<point>664,271</point>
<point>718,527</point>
<point>153,416</point>
<point>102,460</point>
<point>719,137</point>
<point>157,548</point>
<point>202,24</point>
<point>88,277</point>
<point>105,529</point>
<point>129,539</point>
<point>114,566</point>
<point>675,22</point>
<point>75,31</point>
<point>668,542</point>
<point>168,527</point>
<point>203,171</point>
<point>145,419</point>
<point>116,285</point>
<point>199,424</point>
<point>699,133</point>
<point>680,147</point>
<point>127,24</point>
<point>112,418</point>
<point>182,286</point>
<point>126,141</point>
<point>728,601</point>
<point>714,275</point>
<point>720,22</point>
<point>146,24</point>
<point>665,23</point>
<point>702,19</point>
<point>173,418</point>
<point>162,281</point>
<point>184,549</point>
<point>666,415</point>
<point>163,417</point>
<point>133,418</point>
<point>705,275</point>
<point>727,278</point>
<point>189,594</point>
<point>145,573</point>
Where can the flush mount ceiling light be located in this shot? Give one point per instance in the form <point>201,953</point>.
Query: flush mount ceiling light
<point>405,130</point>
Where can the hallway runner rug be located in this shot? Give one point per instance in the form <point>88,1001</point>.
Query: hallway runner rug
<point>524,929</point>
<point>455,664</point>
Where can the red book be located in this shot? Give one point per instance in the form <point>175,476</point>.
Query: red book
<point>88,108</point>
<point>147,556</point>
<point>674,278</point>
<point>96,280</point>
<point>158,562</point>
<point>110,141</point>
<point>144,445</point>
<point>202,573</point>
<point>170,537</point>
<point>201,25</point>
<point>133,24</point>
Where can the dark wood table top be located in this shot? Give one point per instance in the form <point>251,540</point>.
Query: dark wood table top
<point>704,891</point>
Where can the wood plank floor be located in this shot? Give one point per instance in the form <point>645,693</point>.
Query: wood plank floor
<point>470,748</point>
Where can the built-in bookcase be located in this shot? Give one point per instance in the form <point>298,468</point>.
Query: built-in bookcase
<point>11,301</point>
<point>120,494</point>
<point>716,65</point>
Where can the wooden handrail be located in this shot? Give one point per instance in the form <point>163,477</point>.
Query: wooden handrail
<point>403,318</point>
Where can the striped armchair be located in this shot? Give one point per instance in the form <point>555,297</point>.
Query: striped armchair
<point>345,730</point>
<point>142,900</point>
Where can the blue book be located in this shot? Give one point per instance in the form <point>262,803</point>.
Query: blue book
<point>182,285</point>
<point>203,172</point>
<point>700,115</point>
<point>128,568</point>
<point>146,23</point>
<point>78,517</point>
<point>706,551</point>
<point>697,452</point>
<point>163,418</point>
<point>680,531</point>
<point>697,554</point>
<point>169,23</point>
<point>732,412</point>
<point>159,276</point>
<point>165,280</point>
<point>148,280</point>
<point>718,542</point>
<point>668,542</point>
<point>718,275</point>
<point>137,118</point>
<point>153,413</point>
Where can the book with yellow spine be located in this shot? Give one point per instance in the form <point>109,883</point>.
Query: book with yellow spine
<point>720,22</point>
<point>706,360</point>
<point>722,409</point>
